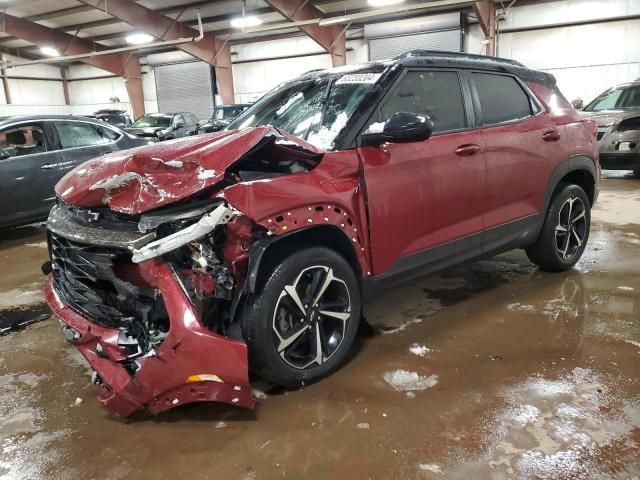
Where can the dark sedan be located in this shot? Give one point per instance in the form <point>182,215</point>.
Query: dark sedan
<point>222,116</point>
<point>36,151</point>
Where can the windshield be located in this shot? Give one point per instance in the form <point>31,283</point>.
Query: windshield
<point>616,98</point>
<point>315,110</point>
<point>152,121</point>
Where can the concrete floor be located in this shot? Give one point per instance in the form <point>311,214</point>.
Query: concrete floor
<point>511,373</point>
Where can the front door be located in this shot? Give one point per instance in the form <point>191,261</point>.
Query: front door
<point>28,173</point>
<point>430,193</point>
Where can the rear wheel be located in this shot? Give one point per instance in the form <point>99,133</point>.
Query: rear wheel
<point>565,231</point>
<point>302,323</point>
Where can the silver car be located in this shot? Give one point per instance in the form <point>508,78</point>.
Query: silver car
<point>617,112</point>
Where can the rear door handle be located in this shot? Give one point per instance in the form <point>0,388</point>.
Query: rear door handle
<point>467,150</point>
<point>551,136</point>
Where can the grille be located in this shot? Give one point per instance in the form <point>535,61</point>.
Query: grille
<point>84,276</point>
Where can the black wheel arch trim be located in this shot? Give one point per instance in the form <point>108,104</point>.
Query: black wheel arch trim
<point>571,164</point>
<point>256,255</point>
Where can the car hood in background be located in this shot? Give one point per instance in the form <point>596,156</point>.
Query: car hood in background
<point>604,118</point>
<point>138,180</point>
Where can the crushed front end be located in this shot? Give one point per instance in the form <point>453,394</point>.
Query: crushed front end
<point>148,299</point>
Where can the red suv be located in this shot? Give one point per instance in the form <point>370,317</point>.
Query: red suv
<point>178,266</point>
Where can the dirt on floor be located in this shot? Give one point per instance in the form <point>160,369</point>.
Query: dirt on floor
<point>490,370</point>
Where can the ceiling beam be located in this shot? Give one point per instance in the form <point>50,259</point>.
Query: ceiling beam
<point>209,49</point>
<point>126,66</point>
<point>331,38</point>
<point>114,21</point>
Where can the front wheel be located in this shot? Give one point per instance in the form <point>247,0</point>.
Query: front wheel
<point>565,231</point>
<point>302,323</point>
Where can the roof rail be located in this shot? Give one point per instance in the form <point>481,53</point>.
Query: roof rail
<point>440,53</point>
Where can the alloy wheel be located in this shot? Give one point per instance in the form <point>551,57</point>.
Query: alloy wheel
<point>310,317</point>
<point>571,228</point>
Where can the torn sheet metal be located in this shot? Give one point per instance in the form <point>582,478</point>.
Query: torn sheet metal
<point>142,179</point>
<point>193,364</point>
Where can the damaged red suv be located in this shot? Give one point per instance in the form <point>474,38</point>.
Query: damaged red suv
<point>178,267</point>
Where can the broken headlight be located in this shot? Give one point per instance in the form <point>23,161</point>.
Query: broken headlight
<point>151,221</point>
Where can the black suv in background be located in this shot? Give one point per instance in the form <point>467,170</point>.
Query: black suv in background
<point>165,126</point>
<point>222,116</point>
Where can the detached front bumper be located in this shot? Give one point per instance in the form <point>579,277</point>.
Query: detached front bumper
<point>192,364</point>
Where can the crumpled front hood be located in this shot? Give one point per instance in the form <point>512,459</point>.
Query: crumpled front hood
<point>141,179</point>
<point>604,118</point>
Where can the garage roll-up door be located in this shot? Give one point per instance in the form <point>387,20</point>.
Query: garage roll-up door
<point>185,87</point>
<point>389,47</point>
<point>431,32</point>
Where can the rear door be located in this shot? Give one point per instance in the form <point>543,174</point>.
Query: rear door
<point>425,194</point>
<point>82,141</point>
<point>519,147</point>
<point>29,169</point>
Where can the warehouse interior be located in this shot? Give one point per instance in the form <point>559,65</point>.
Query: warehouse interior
<point>488,369</point>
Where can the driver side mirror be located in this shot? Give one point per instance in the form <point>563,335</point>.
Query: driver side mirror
<point>402,127</point>
<point>179,125</point>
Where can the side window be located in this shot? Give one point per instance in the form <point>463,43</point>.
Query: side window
<point>194,120</point>
<point>502,99</point>
<point>436,94</point>
<point>21,140</point>
<point>178,119</point>
<point>77,134</point>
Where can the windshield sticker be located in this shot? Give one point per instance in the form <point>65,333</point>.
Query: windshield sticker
<point>359,78</point>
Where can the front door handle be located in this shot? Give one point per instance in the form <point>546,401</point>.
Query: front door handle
<point>467,150</point>
<point>48,166</point>
<point>551,136</point>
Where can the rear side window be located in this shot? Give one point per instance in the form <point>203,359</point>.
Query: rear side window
<point>76,134</point>
<point>502,99</point>
<point>436,94</point>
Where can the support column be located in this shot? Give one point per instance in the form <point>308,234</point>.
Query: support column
<point>485,10</point>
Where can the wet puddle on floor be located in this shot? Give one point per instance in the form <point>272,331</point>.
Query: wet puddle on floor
<point>491,370</point>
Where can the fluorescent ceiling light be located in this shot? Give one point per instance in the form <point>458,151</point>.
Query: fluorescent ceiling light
<point>50,51</point>
<point>383,3</point>
<point>138,38</point>
<point>332,21</point>
<point>246,21</point>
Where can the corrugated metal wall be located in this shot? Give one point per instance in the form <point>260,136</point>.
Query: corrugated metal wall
<point>389,47</point>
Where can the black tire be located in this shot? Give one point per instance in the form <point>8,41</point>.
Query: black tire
<point>551,252</point>
<point>272,312</point>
